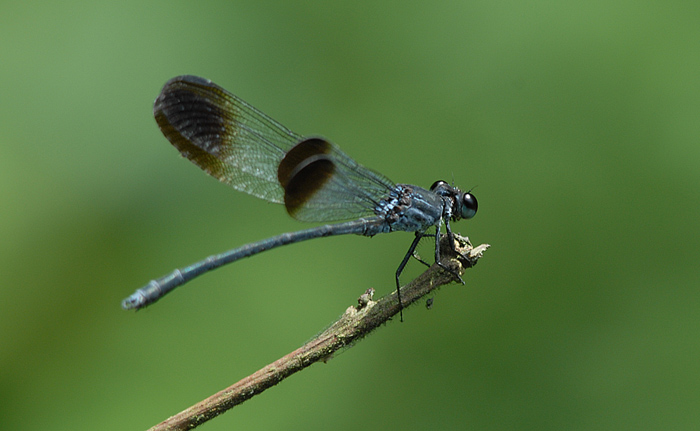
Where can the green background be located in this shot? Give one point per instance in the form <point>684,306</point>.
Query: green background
<point>579,123</point>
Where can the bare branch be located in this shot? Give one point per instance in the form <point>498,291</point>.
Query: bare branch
<point>353,325</point>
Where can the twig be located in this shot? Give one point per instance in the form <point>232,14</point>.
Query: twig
<point>353,325</point>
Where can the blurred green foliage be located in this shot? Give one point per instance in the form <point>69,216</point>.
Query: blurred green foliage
<point>577,122</point>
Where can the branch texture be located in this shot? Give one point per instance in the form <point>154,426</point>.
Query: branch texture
<point>353,325</point>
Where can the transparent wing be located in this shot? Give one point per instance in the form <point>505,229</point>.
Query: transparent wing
<point>244,148</point>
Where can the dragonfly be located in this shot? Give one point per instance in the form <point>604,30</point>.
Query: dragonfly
<point>315,181</point>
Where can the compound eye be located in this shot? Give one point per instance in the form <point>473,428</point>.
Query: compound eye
<point>437,184</point>
<point>469,205</point>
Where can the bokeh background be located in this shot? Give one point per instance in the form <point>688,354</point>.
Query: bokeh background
<point>578,123</point>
